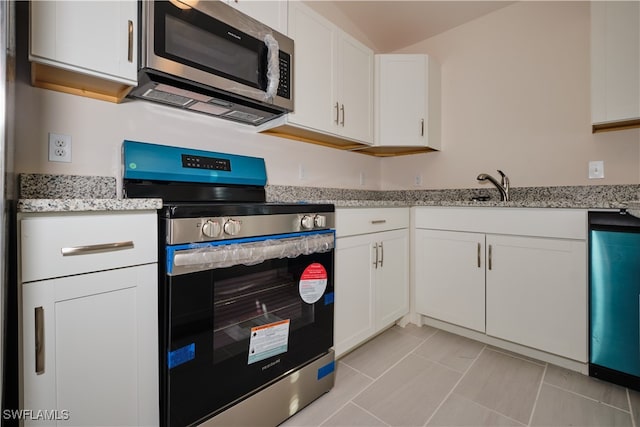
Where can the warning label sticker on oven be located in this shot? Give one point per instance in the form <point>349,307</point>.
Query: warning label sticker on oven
<point>268,340</point>
<point>313,283</point>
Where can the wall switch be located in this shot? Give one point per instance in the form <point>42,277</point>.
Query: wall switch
<point>596,169</point>
<point>302,172</point>
<point>59,148</point>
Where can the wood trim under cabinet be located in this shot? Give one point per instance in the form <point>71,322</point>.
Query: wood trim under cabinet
<point>309,136</point>
<point>624,124</point>
<point>61,80</point>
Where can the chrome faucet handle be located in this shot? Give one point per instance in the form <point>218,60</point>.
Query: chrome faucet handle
<point>505,179</point>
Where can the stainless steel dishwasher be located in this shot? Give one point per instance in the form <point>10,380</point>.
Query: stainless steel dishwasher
<point>614,282</point>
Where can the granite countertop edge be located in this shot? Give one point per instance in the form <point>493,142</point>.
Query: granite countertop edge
<point>81,205</point>
<point>86,205</point>
<point>477,204</point>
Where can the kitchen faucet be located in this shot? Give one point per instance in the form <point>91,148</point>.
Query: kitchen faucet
<point>502,187</point>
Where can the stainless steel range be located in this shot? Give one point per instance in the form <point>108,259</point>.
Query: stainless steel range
<point>245,289</point>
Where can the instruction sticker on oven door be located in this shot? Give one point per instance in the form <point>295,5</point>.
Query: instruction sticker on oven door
<point>313,283</point>
<point>268,340</point>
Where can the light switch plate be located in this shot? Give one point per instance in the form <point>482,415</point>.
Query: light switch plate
<point>596,169</point>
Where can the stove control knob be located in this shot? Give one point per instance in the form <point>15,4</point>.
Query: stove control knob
<point>320,221</point>
<point>211,228</point>
<point>232,227</point>
<point>307,222</point>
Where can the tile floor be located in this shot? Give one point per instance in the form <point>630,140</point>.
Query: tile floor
<point>428,377</point>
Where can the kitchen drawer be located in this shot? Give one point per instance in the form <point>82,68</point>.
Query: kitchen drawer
<point>44,238</point>
<point>353,221</point>
<point>539,222</point>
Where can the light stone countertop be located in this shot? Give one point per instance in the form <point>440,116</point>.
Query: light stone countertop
<point>67,193</point>
<point>86,205</point>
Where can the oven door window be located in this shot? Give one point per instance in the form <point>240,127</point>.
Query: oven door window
<point>195,39</point>
<point>234,329</point>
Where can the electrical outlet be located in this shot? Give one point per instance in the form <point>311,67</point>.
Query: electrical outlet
<point>417,180</point>
<point>596,169</point>
<point>59,148</point>
<point>362,178</point>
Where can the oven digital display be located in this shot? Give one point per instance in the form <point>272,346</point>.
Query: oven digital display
<point>201,162</point>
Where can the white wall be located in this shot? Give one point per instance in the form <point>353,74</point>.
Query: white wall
<point>516,97</point>
<point>98,129</point>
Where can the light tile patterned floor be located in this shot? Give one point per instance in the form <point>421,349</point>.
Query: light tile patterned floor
<point>427,377</point>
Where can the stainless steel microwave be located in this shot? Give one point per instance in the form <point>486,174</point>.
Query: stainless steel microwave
<point>207,57</point>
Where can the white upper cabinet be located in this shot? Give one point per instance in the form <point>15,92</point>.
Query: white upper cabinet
<point>354,91</point>
<point>85,48</point>
<point>407,101</point>
<point>313,82</point>
<point>615,64</point>
<point>96,38</point>
<point>270,12</point>
<point>333,78</point>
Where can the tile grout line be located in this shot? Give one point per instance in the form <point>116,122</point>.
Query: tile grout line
<point>409,352</point>
<point>590,398</point>
<point>370,413</point>
<point>633,421</point>
<point>535,402</point>
<point>454,386</point>
<point>516,355</point>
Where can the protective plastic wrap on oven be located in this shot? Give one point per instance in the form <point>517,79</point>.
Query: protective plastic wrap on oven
<point>198,257</point>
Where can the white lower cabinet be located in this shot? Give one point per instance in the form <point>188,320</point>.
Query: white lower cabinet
<point>89,339</point>
<point>515,274</point>
<point>371,273</point>
<point>536,293</point>
<point>450,266</point>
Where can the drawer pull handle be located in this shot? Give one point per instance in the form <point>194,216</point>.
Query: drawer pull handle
<point>39,338</point>
<point>378,221</point>
<point>104,247</point>
<point>479,249</point>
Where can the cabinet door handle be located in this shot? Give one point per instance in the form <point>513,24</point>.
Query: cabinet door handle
<point>378,221</point>
<point>342,110</point>
<point>130,41</point>
<point>104,247</point>
<point>479,250</point>
<point>490,257</point>
<point>39,339</point>
<point>421,127</point>
<point>337,113</point>
<point>375,263</point>
<point>381,254</point>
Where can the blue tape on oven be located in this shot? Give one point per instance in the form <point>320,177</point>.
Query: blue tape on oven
<point>328,298</point>
<point>326,369</point>
<point>181,355</point>
<point>171,250</point>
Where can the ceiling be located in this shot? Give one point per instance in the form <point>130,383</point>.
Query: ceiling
<point>392,25</point>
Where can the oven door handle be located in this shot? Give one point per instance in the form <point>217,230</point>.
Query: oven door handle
<point>221,256</point>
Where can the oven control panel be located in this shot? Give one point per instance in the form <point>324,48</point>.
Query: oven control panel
<point>194,230</point>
